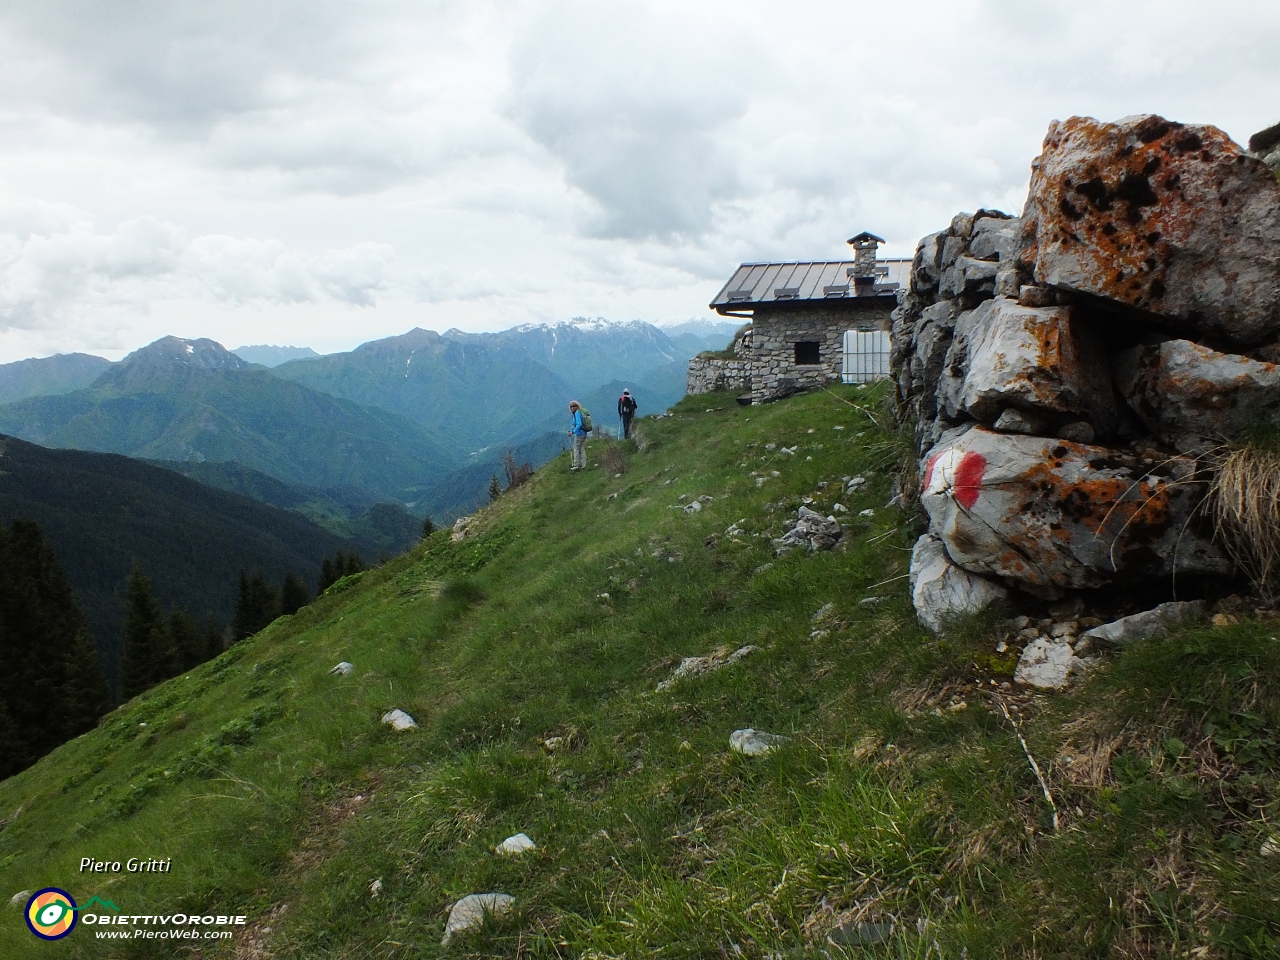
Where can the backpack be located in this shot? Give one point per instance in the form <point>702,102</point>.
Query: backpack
<point>628,405</point>
<point>586,420</point>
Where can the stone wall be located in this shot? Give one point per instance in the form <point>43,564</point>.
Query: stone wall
<point>707,374</point>
<point>776,332</point>
<point>1072,372</point>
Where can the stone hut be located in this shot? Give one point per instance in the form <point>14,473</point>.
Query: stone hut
<point>801,313</point>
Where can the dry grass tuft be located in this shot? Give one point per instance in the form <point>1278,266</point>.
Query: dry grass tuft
<point>613,459</point>
<point>1086,764</point>
<point>1245,500</point>
<point>517,473</point>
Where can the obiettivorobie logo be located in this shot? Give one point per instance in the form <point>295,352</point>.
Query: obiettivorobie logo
<point>51,913</point>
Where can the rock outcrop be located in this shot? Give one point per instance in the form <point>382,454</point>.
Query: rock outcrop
<point>1174,220</point>
<point>1189,396</point>
<point>1067,370</point>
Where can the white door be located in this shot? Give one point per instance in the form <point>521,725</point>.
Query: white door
<point>866,356</point>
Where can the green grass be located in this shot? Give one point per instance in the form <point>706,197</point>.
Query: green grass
<point>271,783</point>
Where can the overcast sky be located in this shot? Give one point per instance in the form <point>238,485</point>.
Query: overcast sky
<point>323,173</point>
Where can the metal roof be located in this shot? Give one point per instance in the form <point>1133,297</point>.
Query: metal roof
<point>759,283</point>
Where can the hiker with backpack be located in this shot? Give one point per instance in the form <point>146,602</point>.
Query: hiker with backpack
<point>626,410</point>
<point>581,427</point>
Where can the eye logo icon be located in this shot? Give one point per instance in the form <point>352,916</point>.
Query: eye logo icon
<point>51,913</point>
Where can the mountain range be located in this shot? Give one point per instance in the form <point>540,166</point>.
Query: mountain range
<point>421,419</point>
<point>195,401</point>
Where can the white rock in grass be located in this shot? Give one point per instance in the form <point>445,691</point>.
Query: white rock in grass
<point>515,845</point>
<point>942,591</point>
<point>1047,664</point>
<point>20,898</point>
<point>469,912</point>
<point>754,743</point>
<point>696,666</point>
<point>375,888</point>
<point>398,720</point>
<point>342,669</point>
<point>1270,848</point>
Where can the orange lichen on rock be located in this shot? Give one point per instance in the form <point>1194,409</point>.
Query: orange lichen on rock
<point>1168,218</point>
<point>1053,514</point>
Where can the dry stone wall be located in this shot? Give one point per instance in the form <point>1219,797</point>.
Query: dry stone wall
<point>708,374</point>
<point>1068,370</point>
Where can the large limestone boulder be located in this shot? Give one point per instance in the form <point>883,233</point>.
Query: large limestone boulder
<point>1040,359</point>
<point>1169,218</point>
<point>942,592</point>
<point>1051,515</point>
<point>1187,394</point>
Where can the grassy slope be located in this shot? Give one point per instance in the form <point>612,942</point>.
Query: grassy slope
<point>270,782</point>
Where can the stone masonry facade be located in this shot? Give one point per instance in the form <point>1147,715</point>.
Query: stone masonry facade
<point>776,332</point>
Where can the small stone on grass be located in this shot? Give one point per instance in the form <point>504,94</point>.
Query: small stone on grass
<point>513,846</point>
<point>398,720</point>
<point>754,743</point>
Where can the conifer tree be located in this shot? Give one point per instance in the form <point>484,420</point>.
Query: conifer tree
<point>257,606</point>
<point>428,527</point>
<point>188,642</point>
<point>342,565</point>
<point>495,488</point>
<point>215,640</point>
<point>84,694</point>
<point>13,755</point>
<point>147,656</point>
<point>52,687</point>
<point>294,594</point>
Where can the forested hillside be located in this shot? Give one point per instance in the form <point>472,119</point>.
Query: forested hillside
<point>52,687</point>
<point>102,512</point>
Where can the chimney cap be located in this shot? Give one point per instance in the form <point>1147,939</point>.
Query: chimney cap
<point>864,236</point>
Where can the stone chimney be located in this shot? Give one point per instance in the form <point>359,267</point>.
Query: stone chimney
<point>863,271</point>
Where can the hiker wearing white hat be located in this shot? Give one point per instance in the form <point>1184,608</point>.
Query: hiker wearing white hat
<point>626,410</point>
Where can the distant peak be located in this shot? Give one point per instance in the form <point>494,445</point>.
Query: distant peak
<point>585,324</point>
<point>201,354</point>
<point>411,339</point>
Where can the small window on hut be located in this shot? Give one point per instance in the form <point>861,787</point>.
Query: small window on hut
<point>807,352</point>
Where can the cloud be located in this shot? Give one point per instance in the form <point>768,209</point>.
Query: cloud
<point>175,65</point>
<point>629,100</point>
<point>463,162</point>
<point>48,279</point>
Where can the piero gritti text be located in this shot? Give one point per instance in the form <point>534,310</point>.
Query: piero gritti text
<point>132,865</point>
